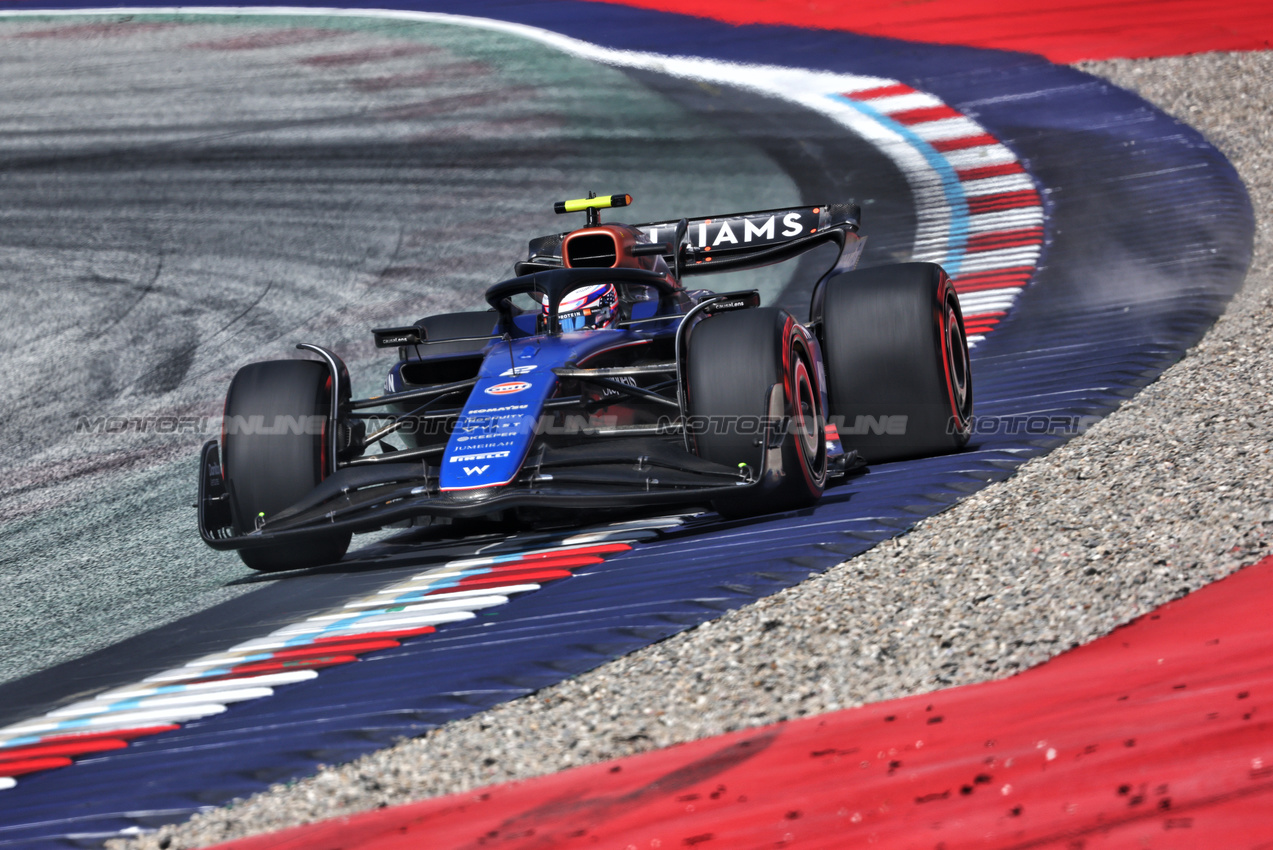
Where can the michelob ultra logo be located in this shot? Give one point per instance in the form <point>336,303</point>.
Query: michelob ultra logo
<point>507,388</point>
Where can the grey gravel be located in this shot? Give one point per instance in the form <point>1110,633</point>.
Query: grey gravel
<point>1171,492</point>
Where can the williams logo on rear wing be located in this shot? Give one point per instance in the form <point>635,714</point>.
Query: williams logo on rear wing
<point>733,241</point>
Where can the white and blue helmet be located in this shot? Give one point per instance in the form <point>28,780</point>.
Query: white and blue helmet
<point>587,308</point>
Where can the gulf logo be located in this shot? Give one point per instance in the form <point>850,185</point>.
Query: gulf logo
<point>507,388</point>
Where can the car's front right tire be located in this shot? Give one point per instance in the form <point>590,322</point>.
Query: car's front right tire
<point>735,361</point>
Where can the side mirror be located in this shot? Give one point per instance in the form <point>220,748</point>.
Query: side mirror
<point>394,337</point>
<point>651,249</point>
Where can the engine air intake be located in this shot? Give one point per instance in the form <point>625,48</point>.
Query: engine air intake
<point>591,251</point>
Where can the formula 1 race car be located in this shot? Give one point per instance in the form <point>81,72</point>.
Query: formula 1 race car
<point>598,382</point>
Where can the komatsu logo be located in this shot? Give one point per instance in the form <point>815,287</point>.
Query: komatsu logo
<point>503,409</point>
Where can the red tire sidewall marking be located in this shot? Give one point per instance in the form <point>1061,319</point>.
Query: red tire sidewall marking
<point>948,308</point>
<point>793,364</point>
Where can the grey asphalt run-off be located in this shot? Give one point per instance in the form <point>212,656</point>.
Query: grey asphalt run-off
<point>181,196</point>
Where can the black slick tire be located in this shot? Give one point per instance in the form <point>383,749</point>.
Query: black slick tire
<point>734,361</point>
<point>899,379</point>
<point>273,455</point>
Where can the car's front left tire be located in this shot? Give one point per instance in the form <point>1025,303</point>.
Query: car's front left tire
<point>273,454</point>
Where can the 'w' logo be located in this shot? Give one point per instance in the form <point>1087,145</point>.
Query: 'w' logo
<point>476,470</point>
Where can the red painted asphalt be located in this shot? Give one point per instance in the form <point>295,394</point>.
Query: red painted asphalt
<point>1060,30</point>
<point>1157,735</point>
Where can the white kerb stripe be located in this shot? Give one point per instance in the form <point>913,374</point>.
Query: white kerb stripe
<point>266,680</point>
<point>1006,220</point>
<point>427,606</point>
<point>500,590</point>
<point>946,129</point>
<point>995,185</point>
<point>988,301</point>
<point>901,102</point>
<point>1005,258</point>
<point>114,720</point>
<point>979,156</point>
<point>370,624</point>
<point>227,695</point>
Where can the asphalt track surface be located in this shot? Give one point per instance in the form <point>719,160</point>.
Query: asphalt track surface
<point>172,213</point>
<point>155,330</point>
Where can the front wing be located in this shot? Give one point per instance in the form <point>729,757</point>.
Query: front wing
<point>625,473</point>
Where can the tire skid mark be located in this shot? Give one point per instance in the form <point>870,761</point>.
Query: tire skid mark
<point>369,54</point>
<point>422,79</point>
<point>114,28</point>
<point>268,40</point>
<point>451,103</point>
<point>479,131</point>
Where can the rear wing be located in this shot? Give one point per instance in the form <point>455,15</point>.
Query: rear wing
<point>728,242</point>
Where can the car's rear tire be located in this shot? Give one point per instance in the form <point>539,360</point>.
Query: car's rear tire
<point>734,360</point>
<point>899,379</point>
<point>273,455</point>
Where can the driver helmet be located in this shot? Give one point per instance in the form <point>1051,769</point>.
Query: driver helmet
<point>587,308</point>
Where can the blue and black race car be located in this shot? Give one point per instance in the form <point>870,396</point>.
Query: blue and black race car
<point>598,382</point>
